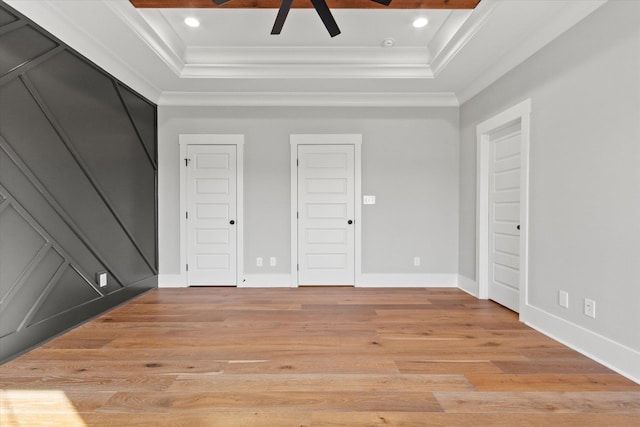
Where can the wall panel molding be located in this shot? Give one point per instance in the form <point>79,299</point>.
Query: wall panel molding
<point>78,187</point>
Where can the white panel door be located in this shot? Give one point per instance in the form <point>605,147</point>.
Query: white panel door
<point>326,209</point>
<point>211,215</point>
<point>504,219</point>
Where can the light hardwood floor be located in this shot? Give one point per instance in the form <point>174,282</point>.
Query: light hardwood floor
<point>311,357</point>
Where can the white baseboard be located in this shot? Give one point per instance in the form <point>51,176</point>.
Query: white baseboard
<point>367,280</point>
<point>470,286</point>
<point>172,281</point>
<point>616,356</point>
<point>408,281</point>
<point>265,281</point>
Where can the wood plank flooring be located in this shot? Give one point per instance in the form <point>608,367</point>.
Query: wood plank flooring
<point>311,357</point>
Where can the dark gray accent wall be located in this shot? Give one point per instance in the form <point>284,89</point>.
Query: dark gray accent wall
<point>78,178</point>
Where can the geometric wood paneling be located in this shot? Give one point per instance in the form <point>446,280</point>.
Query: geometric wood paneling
<point>78,174</point>
<point>14,259</point>
<point>21,45</point>
<point>68,291</point>
<point>27,292</point>
<point>6,17</point>
<point>143,115</point>
<point>86,105</point>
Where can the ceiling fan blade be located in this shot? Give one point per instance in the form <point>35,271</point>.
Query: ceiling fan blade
<point>285,6</point>
<point>326,16</point>
<point>220,2</point>
<point>383,2</point>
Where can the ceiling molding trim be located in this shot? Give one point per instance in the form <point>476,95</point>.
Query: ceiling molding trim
<point>307,55</point>
<point>467,31</point>
<point>132,18</point>
<point>49,16</point>
<point>307,99</point>
<point>316,71</point>
<point>570,15</point>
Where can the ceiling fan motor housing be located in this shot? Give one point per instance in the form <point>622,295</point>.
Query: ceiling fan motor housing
<point>319,5</point>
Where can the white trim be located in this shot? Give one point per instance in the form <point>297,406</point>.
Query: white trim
<point>468,285</point>
<point>464,35</point>
<point>366,281</point>
<point>308,99</point>
<point>518,113</point>
<point>616,356</point>
<point>408,281</point>
<point>326,139</point>
<point>293,71</point>
<point>170,52</point>
<point>265,281</point>
<point>172,281</point>
<point>571,13</point>
<point>212,139</point>
<point>322,58</point>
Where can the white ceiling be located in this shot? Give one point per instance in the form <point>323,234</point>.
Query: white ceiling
<point>232,59</point>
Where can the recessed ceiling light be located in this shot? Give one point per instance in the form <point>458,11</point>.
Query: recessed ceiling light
<point>192,22</point>
<point>420,22</point>
<point>388,42</point>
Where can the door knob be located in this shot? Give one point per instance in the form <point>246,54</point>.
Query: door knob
<point>232,222</point>
<point>518,227</point>
<point>350,222</point>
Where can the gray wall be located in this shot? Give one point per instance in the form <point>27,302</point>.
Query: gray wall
<point>584,170</point>
<point>77,187</point>
<point>409,161</point>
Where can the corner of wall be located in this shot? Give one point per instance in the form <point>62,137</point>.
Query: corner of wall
<point>468,285</point>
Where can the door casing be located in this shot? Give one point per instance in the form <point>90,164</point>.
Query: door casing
<point>519,113</point>
<point>326,139</point>
<point>212,139</point>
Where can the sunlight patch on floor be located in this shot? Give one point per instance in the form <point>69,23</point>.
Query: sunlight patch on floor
<point>31,407</point>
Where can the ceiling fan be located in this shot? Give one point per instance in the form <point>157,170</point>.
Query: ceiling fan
<point>319,5</point>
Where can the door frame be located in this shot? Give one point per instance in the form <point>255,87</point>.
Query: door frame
<point>519,113</point>
<point>212,139</point>
<point>326,139</point>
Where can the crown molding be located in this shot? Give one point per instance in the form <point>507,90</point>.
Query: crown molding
<point>467,31</point>
<point>170,51</point>
<point>307,99</point>
<point>316,71</point>
<point>567,17</point>
<point>308,62</point>
<point>310,55</point>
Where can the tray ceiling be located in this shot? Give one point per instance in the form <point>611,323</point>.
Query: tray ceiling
<point>231,59</point>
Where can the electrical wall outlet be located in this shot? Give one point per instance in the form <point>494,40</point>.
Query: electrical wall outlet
<point>416,261</point>
<point>101,279</point>
<point>563,299</point>
<point>259,261</point>
<point>272,261</point>
<point>589,308</point>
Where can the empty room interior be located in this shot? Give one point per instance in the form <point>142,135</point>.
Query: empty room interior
<point>357,213</point>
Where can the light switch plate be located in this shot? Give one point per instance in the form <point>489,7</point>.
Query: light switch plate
<point>101,278</point>
<point>563,299</point>
<point>369,200</point>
